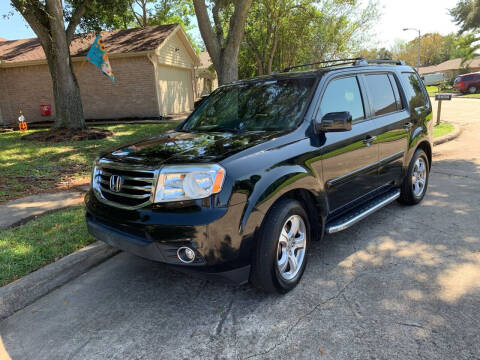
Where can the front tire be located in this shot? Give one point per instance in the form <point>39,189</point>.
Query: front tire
<point>281,254</point>
<point>415,183</point>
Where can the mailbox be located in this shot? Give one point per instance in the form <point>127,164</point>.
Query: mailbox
<point>440,97</point>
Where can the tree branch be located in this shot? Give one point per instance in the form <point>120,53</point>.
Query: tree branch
<point>258,58</point>
<point>206,30</point>
<point>237,26</point>
<point>136,15</point>
<point>76,18</point>
<point>217,23</point>
<point>36,16</point>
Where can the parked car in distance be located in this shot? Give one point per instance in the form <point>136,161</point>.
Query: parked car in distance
<point>467,83</point>
<point>265,166</point>
<point>433,79</point>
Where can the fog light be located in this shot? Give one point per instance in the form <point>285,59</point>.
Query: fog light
<point>185,254</point>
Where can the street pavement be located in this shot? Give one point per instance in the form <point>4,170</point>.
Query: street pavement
<point>402,284</point>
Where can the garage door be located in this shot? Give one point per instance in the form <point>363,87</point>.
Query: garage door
<point>175,87</point>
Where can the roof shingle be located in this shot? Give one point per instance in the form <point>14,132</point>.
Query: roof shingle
<point>116,42</point>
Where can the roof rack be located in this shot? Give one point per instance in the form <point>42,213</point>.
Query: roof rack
<point>355,62</point>
<point>342,61</point>
<point>385,61</point>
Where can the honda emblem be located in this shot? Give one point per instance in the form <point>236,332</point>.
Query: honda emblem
<point>116,183</point>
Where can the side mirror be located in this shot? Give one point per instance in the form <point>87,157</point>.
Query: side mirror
<point>335,121</point>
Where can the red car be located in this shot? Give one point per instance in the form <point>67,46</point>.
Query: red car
<point>467,83</point>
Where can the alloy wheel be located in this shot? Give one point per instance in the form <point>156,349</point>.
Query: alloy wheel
<point>419,177</point>
<point>291,247</point>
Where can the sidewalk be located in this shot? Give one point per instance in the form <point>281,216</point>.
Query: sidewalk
<point>20,210</point>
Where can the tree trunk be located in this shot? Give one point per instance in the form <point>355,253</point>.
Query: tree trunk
<point>48,24</point>
<point>228,70</point>
<point>68,102</point>
<point>224,53</point>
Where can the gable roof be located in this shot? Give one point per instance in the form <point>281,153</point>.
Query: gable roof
<point>450,65</point>
<point>116,42</point>
<point>205,60</point>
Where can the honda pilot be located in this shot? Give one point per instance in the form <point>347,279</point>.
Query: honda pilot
<point>265,166</point>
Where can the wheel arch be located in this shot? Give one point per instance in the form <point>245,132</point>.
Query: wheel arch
<point>314,208</point>
<point>425,146</point>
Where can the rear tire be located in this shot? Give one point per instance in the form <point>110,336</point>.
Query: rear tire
<point>415,183</point>
<point>472,89</point>
<point>281,254</point>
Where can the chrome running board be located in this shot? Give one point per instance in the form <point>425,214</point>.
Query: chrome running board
<point>362,212</point>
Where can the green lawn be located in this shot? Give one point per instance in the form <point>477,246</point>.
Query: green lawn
<point>474,96</point>
<point>41,241</point>
<point>432,90</point>
<point>29,167</point>
<point>442,129</point>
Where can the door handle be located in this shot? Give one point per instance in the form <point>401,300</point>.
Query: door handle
<point>408,126</point>
<point>368,140</point>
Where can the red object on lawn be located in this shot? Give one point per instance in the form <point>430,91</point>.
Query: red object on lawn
<point>46,110</point>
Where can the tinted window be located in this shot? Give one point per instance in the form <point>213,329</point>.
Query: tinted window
<point>261,105</point>
<point>468,77</point>
<point>413,90</point>
<point>343,95</point>
<point>381,91</point>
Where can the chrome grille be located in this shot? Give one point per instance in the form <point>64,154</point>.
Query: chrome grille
<point>135,189</point>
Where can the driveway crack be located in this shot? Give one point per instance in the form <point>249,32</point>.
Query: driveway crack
<point>304,316</point>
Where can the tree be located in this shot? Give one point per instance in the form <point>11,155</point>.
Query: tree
<point>124,14</point>
<point>47,20</point>
<point>281,33</point>
<point>435,48</point>
<point>223,41</point>
<point>466,14</point>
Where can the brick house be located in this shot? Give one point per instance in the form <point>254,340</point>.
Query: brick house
<point>154,68</point>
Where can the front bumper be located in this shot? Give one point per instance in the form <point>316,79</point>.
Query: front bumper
<point>156,234</point>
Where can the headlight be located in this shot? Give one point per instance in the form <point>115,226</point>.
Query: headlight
<point>188,182</point>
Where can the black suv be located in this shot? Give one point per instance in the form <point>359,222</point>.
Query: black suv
<point>263,166</point>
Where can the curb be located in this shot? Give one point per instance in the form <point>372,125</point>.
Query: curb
<point>449,137</point>
<point>21,293</point>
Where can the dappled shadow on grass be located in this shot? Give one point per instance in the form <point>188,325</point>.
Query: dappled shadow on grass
<point>29,167</point>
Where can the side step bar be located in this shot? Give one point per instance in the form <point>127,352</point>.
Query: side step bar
<point>362,212</point>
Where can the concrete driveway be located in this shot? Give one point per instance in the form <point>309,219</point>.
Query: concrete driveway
<point>402,284</point>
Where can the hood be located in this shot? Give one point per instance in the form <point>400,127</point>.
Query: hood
<point>184,147</point>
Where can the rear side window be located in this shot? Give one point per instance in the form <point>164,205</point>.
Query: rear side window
<point>413,90</point>
<point>343,95</point>
<point>381,91</point>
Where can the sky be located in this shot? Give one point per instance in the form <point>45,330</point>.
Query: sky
<point>426,15</point>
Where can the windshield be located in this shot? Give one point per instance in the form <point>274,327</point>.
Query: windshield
<point>256,106</point>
